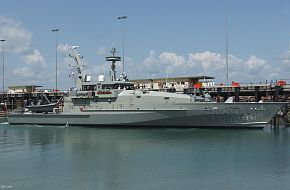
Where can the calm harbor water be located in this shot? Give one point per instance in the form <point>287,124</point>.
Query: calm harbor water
<point>58,157</point>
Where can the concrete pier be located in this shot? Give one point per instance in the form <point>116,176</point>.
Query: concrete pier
<point>247,93</point>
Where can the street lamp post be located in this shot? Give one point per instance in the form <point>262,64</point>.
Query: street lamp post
<point>227,40</point>
<point>123,19</point>
<point>3,84</point>
<point>227,51</point>
<point>55,30</point>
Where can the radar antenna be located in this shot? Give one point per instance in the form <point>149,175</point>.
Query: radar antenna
<point>113,59</point>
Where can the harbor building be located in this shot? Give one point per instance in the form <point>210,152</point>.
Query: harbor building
<point>177,84</point>
<point>23,89</point>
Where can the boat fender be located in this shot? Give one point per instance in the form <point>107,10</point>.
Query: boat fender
<point>159,83</point>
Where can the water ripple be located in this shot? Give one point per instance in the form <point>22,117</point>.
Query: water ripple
<point>58,157</point>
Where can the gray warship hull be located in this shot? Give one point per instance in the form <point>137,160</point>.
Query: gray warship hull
<point>119,103</point>
<point>3,119</point>
<point>193,115</point>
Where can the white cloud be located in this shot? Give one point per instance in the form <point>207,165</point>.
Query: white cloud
<point>26,76</point>
<point>150,65</point>
<point>102,51</point>
<point>63,48</point>
<point>171,62</point>
<point>285,58</point>
<point>209,63</point>
<point>24,72</point>
<point>17,37</point>
<point>255,65</point>
<point>151,57</point>
<point>35,59</point>
<point>206,62</point>
<point>151,60</point>
<point>18,44</point>
<point>171,58</point>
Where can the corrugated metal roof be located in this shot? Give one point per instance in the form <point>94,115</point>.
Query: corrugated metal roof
<point>177,79</point>
<point>25,86</point>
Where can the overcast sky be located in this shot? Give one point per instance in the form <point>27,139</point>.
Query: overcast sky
<point>162,38</point>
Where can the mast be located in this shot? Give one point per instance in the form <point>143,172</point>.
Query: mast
<point>113,59</point>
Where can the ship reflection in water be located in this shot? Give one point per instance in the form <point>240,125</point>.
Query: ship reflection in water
<point>59,157</point>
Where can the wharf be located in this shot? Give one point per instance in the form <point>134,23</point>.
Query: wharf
<point>241,93</point>
<point>23,99</point>
<point>248,92</point>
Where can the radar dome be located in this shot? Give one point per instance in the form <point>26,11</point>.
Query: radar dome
<point>101,78</point>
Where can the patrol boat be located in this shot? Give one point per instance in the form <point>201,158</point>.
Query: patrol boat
<point>117,103</point>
